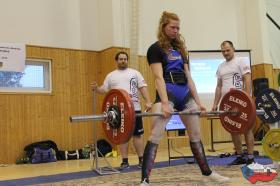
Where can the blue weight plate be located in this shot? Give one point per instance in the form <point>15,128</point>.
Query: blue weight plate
<point>269,101</point>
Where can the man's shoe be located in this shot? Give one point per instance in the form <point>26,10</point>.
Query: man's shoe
<point>250,161</point>
<point>238,161</point>
<point>140,164</point>
<point>217,177</point>
<point>124,166</point>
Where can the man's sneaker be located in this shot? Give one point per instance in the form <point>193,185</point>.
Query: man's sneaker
<point>140,164</point>
<point>250,161</point>
<point>144,183</point>
<point>238,161</point>
<point>217,177</point>
<point>124,166</point>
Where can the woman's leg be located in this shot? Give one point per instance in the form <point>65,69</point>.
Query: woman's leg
<point>193,128</point>
<point>157,132</point>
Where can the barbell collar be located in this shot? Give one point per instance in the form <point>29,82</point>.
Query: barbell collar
<point>88,118</point>
<point>265,105</point>
<point>260,112</point>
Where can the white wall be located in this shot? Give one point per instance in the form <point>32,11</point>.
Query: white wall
<point>89,19</point>
<point>99,24</point>
<point>273,9</point>
<point>204,23</point>
<point>41,22</point>
<point>257,32</point>
<point>80,24</point>
<point>121,22</point>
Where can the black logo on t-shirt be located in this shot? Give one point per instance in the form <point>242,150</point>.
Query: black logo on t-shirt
<point>133,87</point>
<point>237,81</point>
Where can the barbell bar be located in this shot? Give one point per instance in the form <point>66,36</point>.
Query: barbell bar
<point>106,115</point>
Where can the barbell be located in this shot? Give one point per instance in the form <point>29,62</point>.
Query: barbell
<point>237,113</point>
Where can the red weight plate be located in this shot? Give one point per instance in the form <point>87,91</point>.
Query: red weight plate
<point>122,100</point>
<point>240,101</point>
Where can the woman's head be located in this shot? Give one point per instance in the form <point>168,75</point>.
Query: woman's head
<point>169,26</point>
<point>168,34</point>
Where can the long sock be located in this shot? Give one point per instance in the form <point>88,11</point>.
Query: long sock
<point>148,160</point>
<point>125,160</point>
<point>140,159</point>
<point>199,155</point>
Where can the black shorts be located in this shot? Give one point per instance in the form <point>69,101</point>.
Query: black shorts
<point>138,129</point>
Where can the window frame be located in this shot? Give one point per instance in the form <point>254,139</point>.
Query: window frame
<point>47,73</point>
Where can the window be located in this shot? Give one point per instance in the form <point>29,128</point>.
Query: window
<point>36,78</point>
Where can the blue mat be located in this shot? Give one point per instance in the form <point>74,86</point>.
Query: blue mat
<point>212,160</point>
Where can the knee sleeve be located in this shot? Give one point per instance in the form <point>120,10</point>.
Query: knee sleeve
<point>158,129</point>
<point>155,139</point>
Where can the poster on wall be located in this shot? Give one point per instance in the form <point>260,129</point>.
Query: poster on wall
<point>12,57</point>
<point>203,67</point>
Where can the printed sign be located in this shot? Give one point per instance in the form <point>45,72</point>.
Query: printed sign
<point>12,57</point>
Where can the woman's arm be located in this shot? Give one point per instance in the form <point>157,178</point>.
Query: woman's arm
<point>192,87</point>
<point>161,87</point>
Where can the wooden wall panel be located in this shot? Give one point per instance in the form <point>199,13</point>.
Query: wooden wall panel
<point>27,118</point>
<point>263,71</point>
<point>276,73</point>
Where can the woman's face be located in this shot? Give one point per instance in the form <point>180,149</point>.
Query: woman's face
<point>172,29</point>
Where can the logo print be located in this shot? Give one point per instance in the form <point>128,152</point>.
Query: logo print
<point>171,57</point>
<point>133,87</point>
<point>237,81</point>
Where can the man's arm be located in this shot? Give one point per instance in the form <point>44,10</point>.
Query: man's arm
<point>146,96</point>
<point>247,83</point>
<point>98,89</point>
<point>218,94</point>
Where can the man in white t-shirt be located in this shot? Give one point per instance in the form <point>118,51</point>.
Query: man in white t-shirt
<point>235,73</point>
<point>132,82</point>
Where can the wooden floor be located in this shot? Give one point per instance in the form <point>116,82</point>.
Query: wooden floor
<point>13,171</point>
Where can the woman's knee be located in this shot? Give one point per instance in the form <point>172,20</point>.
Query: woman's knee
<point>156,137</point>
<point>194,135</point>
